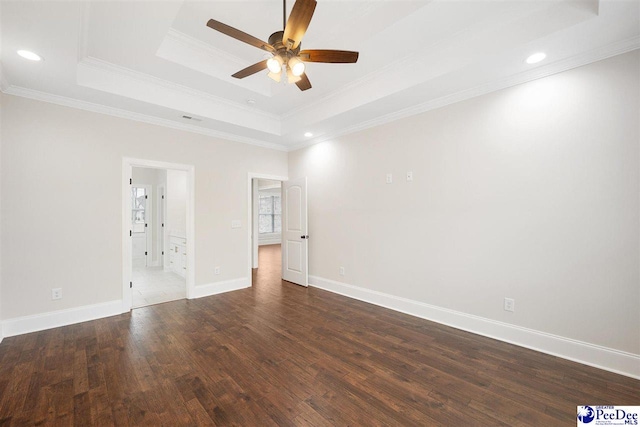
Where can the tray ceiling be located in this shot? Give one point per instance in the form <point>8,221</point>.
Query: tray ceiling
<point>157,61</point>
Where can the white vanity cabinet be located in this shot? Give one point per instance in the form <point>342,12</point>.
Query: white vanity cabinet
<point>178,255</point>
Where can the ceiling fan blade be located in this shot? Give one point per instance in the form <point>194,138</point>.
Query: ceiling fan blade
<point>298,23</point>
<point>252,69</point>
<point>304,83</point>
<point>329,56</point>
<point>240,35</point>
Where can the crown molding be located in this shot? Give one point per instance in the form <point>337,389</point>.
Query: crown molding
<point>579,60</point>
<point>206,48</point>
<point>595,55</point>
<point>409,62</point>
<point>101,65</point>
<point>125,114</point>
<point>192,53</point>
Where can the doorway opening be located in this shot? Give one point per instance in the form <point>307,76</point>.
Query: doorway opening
<point>278,216</point>
<point>265,221</point>
<point>157,278</point>
<point>158,228</point>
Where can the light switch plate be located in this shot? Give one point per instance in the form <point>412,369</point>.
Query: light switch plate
<point>389,178</point>
<point>509,304</point>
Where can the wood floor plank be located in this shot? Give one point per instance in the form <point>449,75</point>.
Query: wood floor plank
<point>278,354</point>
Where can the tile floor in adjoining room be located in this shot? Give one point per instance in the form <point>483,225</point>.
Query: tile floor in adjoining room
<point>152,285</point>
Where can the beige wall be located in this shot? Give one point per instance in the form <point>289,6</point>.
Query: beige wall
<point>61,175</point>
<point>530,193</point>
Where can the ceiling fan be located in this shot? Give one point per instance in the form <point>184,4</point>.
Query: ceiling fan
<point>285,47</point>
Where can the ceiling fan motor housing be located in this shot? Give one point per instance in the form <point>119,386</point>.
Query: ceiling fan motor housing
<point>275,40</point>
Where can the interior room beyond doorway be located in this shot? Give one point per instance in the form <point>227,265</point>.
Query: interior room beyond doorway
<point>267,217</point>
<point>158,215</point>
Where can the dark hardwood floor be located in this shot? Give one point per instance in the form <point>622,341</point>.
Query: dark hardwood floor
<point>280,354</point>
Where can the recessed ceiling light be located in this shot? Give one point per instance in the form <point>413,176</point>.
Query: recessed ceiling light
<point>536,57</point>
<point>308,134</point>
<point>29,55</point>
<point>251,101</point>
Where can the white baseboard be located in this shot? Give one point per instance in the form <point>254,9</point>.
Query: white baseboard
<point>617,361</point>
<point>54,319</point>
<point>220,287</point>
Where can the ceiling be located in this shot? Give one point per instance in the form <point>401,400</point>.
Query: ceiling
<point>156,61</point>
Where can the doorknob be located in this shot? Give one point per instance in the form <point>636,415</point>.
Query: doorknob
<point>306,236</point>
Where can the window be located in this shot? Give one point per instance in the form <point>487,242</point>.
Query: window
<point>270,214</point>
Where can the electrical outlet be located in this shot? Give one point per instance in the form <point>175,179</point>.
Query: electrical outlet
<point>341,270</point>
<point>389,178</point>
<point>409,176</point>
<point>217,270</point>
<point>56,293</point>
<point>509,304</point>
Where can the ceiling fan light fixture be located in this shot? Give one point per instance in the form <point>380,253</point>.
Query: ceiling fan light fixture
<point>274,64</point>
<point>292,78</point>
<point>275,76</point>
<point>296,66</point>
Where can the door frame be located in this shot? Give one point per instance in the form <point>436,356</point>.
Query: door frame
<point>250,177</point>
<point>127,168</point>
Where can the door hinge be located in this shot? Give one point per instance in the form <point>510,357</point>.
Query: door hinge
<point>162,252</point>
<point>145,253</point>
<point>163,196</point>
<point>130,284</point>
<point>130,181</point>
<point>145,225</point>
<point>146,197</point>
<point>163,224</point>
<point>130,234</point>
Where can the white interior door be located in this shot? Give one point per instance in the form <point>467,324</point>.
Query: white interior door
<point>295,248</point>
